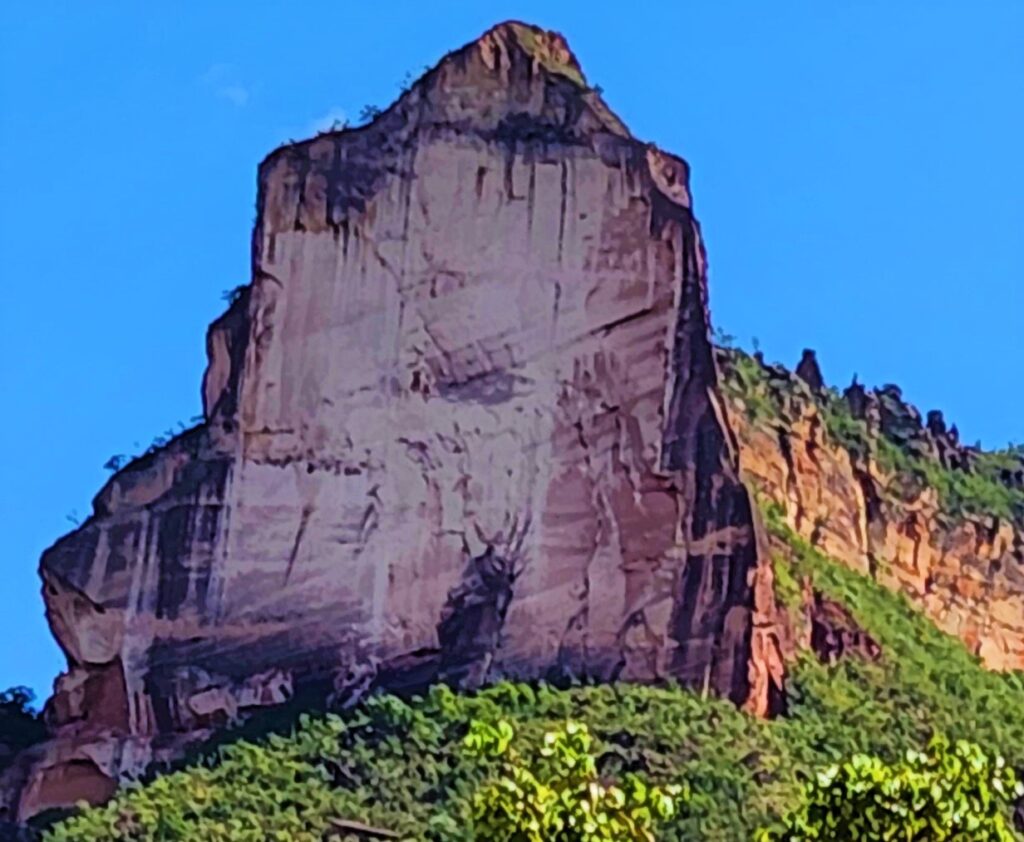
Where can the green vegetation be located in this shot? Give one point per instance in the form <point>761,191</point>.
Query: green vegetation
<point>845,430</point>
<point>746,381</point>
<point>948,793</point>
<point>535,46</point>
<point>979,492</point>
<point>369,113</point>
<point>926,683</point>
<point>406,766</point>
<point>554,791</point>
<point>20,725</point>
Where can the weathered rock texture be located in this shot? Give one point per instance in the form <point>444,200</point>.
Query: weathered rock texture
<point>965,569</point>
<point>463,424</point>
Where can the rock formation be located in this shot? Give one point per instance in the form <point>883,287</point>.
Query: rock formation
<point>809,371</point>
<point>834,633</point>
<point>965,568</point>
<point>464,423</point>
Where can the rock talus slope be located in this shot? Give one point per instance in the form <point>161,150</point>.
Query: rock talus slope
<point>464,423</point>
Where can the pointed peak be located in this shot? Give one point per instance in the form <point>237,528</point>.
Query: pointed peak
<point>516,70</point>
<point>549,49</point>
<point>515,79</point>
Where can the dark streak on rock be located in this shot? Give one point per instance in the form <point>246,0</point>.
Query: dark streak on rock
<point>303,521</point>
<point>471,622</point>
<point>561,211</point>
<point>714,597</point>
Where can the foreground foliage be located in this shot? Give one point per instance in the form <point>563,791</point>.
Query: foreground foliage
<point>947,793</point>
<point>405,765</point>
<point>554,792</point>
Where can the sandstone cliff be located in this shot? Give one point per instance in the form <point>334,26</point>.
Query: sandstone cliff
<point>464,423</point>
<point>862,477</point>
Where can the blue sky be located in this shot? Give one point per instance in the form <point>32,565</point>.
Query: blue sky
<point>857,168</point>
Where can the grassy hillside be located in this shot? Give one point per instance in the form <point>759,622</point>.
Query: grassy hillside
<point>402,766</point>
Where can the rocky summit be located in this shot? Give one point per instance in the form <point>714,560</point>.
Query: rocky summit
<point>467,423</point>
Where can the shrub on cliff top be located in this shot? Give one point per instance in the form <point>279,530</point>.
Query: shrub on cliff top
<point>746,381</point>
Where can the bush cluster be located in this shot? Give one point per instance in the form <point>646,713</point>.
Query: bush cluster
<point>552,790</point>
<point>20,725</point>
<point>948,792</point>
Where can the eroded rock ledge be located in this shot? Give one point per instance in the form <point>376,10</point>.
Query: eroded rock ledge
<point>463,424</point>
<point>864,478</point>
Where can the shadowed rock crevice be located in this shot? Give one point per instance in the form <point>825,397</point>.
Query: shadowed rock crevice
<point>834,633</point>
<point>715,598</point>
<point>472,620</point>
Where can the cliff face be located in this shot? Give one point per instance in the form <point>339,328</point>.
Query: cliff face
<point>463,424</point>
<point>862,477</point>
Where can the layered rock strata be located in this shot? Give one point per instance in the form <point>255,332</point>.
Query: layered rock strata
<point>463,424</point>
<point>964,568</point>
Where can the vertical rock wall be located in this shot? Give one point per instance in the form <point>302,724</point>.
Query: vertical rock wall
<point>463,424</point>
